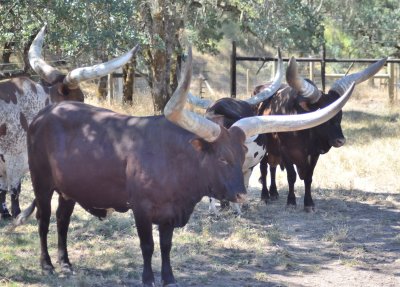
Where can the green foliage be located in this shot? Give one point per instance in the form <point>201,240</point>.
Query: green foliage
<point>368,28</point>
<point>291,25</point>
<point>92,31</point>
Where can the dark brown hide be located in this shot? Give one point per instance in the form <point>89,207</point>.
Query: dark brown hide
<point>148,164</point>
<point>10,88</point>
<point>301,148</point>
<point>226,112</point>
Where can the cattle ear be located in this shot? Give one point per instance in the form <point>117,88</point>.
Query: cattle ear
<point>62,90</point>
<point>304,106</point>
<point>199,144</point>
<point>238,134</point>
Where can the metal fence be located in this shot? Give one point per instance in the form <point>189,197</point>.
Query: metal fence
<point>390,77</point>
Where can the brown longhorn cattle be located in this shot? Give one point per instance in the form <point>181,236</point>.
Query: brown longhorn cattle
<point>303,148</point>
<point>158,166</point>
<point>21,99</point>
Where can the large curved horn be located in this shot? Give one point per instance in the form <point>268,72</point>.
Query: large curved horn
<point>199,102</point>
<point>174,110</point>
<point>285,123</point>
<point>304,88</point>
<point>44,70</point>
<point>87,73</point>
<point>341,85</point>
<point>271,90</point>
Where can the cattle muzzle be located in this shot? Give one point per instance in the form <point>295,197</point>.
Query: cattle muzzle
<point>238,197</point>
<point>338,142</point>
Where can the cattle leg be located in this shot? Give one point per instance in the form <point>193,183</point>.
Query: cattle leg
<point>167,277</point>
<point>145,232</point>
<point>291,178</point>
<point>224,204</point>
<point>308,201</point>
<point>64,211</point>
<point>43,216</point>
<point>15,209</point>
<point>4,213</point>
<point>263,179</point>
<point>212,208</point>
<point>273,191</point>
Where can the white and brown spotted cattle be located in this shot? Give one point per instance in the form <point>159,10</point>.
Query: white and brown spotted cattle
<point>20,101</point>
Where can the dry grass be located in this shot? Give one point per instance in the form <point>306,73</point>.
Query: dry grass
<point>353,233</point>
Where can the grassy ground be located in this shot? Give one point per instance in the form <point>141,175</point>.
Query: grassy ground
<point>351,240</point>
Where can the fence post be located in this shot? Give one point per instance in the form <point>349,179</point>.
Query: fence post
<point>323,67</point>
<point>391,81</point>
<point>311,71</point>
<point>110,85</point>
<point>233,70</point>
<point>247,82</point>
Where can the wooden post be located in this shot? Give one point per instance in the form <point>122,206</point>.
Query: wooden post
<point>323,67</point>
<point>233,70</point>
<point>201,80</point>
<point>397,84</point>
<point>311,71</point>
<point>110,90</point>
<point>247,82</point>
<point>391,81</point>
<point>118,84</point>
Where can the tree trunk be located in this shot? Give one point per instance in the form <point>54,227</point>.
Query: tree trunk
<point>7,51</point>
<point>128,74</point>
<point>102,85</point>
<point>159,55</point>
<point>27,45</point>
<point>102,88</point>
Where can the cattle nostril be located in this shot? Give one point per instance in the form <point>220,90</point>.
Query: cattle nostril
<point>240,197</point>
<point>340,142</point>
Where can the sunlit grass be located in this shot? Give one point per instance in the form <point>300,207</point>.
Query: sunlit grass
<point>225,250</point>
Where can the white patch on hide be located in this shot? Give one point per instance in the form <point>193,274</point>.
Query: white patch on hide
<point>13,145</point>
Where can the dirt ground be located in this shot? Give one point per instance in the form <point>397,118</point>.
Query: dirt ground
<point>352,239</point>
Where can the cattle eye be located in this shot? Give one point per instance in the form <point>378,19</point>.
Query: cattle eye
<point>245,148</point>
<point>224,161</point>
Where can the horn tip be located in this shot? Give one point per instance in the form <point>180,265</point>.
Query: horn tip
<point>44,28</point>
<point>135,49</point>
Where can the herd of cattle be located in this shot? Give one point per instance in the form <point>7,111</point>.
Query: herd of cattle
<point>159,167</point>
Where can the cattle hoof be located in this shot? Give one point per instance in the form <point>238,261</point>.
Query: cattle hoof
<point>172,285</point>
<point>291,206</point>
<point>149,285</point>
<point>5,216</point>
<point>309,209</point>
<point>47,271</point>
<point>15,214</point>
<point>66,269</point>
<point>274,197</point>
<point>245,206</point>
